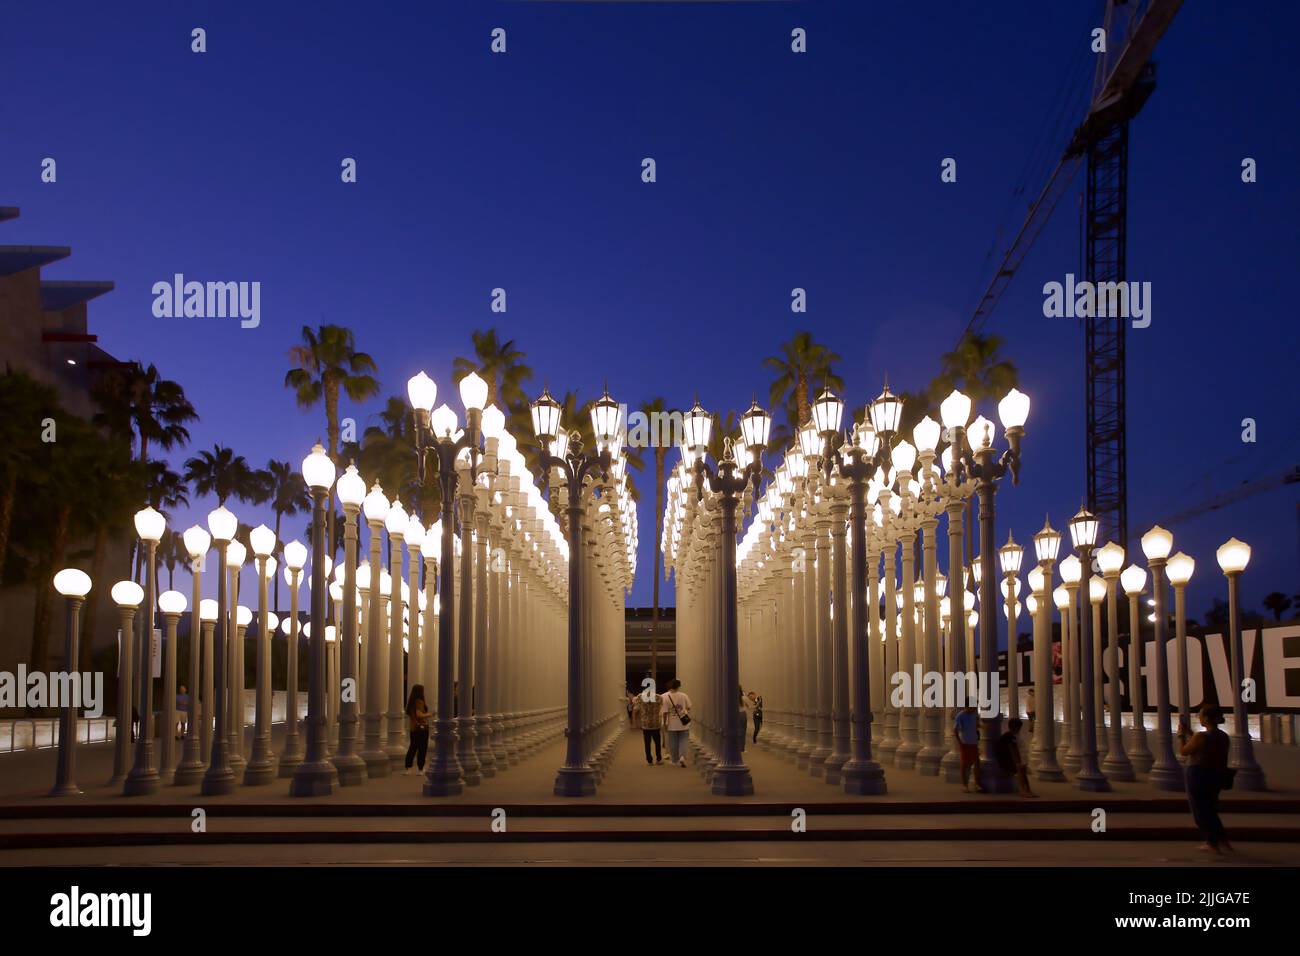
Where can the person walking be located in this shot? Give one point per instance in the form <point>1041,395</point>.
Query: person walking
<point>757,709</point>
<point>746,707</point>
<point>650,719</point>
<point>182,712</point>
<point>417,713</point>
<point>966,729</point>
<point>1207,774</point>
<point>1009,759</point>
<point>676,711</point>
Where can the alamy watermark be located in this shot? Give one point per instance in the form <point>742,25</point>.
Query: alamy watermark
<point>208,300</point>
<point>38,689</point>
<point>946,689</point>
<point>1086,300</point>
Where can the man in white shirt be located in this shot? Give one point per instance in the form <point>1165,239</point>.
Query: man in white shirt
<point>676,713</point>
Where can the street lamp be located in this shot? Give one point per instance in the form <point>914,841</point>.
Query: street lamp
<point>1083,532</point>
<point>1233,556</point>
<point>856,462</point>
<point>127,595</point>
<point>1166,772</point>
<point>375,755</point>
<point>445,776</point>
<point>1117,765</point>
<point>74,585</point>
<point>351,768</point>
<point>1134,581</point>
<point>172,604</point>
<point>1011,555</point>
<point>295,559</point>
<point>143,778</point>
<point>316,776</point>
<point>1179,569</point>
<point>261,767</point>
<point>1047,545</point>
<point>576,778</point>
<point>190,769</point>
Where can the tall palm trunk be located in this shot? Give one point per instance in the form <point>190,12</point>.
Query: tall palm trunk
<point>276,605</point>
<point>332,436</point>
<point>45,591</point>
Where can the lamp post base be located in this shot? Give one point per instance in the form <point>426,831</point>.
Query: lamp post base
<point>928,761</point>
<point>732,782</point>
<point>1249,778</point>
<point>317,779</point>
<point>1141,760</point>
<point>950,767</point>
<point>66,790</point>
<point>376,762</point>
<point>994,779</point>
<point>864,778</point>
<point>835,768</point>
<point>189,773</point>
<point>141,784</point>
<point>1116,766</point>
<point>1093,781</point>
<point>575,782</point>
<point>218,783</point>
<point>261,769</point>
<point>351,769</point>
<point>1166,778</point>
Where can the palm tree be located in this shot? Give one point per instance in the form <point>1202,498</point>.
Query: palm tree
<point>121,486</point>
<point>802,364</point>
<point>500,364</point>
<point>288,497</point>
<point>977,368</point>
<point>140,404</point>
<point>222,473</point>
<point>170,548</point>
<point>388,454</point>
<point>327,363</point>
<point>1278,603</point>
<point>26,404</point>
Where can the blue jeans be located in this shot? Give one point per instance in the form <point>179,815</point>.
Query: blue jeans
<point>677,744</point>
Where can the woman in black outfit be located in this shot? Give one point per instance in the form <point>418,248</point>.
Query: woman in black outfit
<point>418,715</point>
<point>1207,773</point>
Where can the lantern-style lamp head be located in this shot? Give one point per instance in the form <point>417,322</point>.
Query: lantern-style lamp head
<point>886,413</point>
<point>72,582</point>
<point>1047,543</point>
<point>197,542</point>
<point>977,569</point>
<point>473,392</point>
<point>351,488</point>
<point>1110,558</point>
<point>262,539</point>
<point>755,426</point>
<point>810,440</point>
<point>150,524</point>
<point>605,420</point>
<point>827,412</point>
<point>1083,529</point>
<point>317,469</point>
<point>1157,543</point>
<point>127,594</point>
<point>546,416</point>
<point>1233,556</point>
<point>1011,554</point>
<point>697,424</point>
<point>1133,579</point>
<point>422,391</point>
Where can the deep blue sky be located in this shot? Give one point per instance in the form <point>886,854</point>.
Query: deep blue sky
<point>775,171</point>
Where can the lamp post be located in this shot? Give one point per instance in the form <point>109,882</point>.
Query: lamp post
<point>445,777</point>
<point>143,777</point>
<point>862,774</point>
<point>1166,772</point>
<point>295,559</point>
<point>219,777</point>
<point>351,767</point>
<point>1083,532</point>
<point>980,461</point>
<point>1117,765</point>
<point>1011,555</point>
<point>172,605</point>
<point>576,778</point>
<point>261,767</point>
<point>316,776</point>
<point>1047,545</point>
<point>1179,569</point>
<point>127,595</point>
<point>728,482</point>
<point>74,585</point>
<point>1071,574</point>
<point>396,521</point>
<point>190,769</point>
<point>1233,556</point>
<point>1134,581</point>
<point>208,622</point>
<point>1065,749</point>
<point>236,553</point>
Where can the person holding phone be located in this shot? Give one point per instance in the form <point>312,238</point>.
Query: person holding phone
<point>676,712</point>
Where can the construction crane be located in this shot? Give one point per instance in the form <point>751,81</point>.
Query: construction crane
<point>1123,81</point>
<point>1247,489</point>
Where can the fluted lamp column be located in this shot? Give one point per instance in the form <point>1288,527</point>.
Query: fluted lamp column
<point>1134,581</point>
<point>1233,556</point>
<point>73,584</point>
<point>190,769</point>
<point>219,778</point>
<point>1166,772</point>
<point>261,767</point>
<point>295,559</point>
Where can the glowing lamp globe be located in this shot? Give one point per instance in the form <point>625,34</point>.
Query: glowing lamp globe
<point>1096,590</point>
<point>1133,579</point>
<point>150,524</point>
<point>317,469</point>
<point>1157,543</point>
<point>236,554</point>
<point>1110,558</point>
<point>127,594</point>
<point>272,622</point>
<point>1061,598</point>
<point>926,435</point>
<point>886,412</point>
<point>1071,570</point>
<point>376,505</point>
<point>172,602</point>
<point>1014,409</point>
<point>473,392</point>
<point>1233,556</point>
<point>243,616</point>
<point>207,610</point>
<point>443,421</point>
<point>197,541</point>
<point>396,520</point>
<point>954,411</point>
<point>493,422</point>
<point>72,582</point>
<point>827,413</point>
<point>262,539</point>
<point>1181,567</point>
<point>422,391</point>
<point>414,532</point>
<point>351,487</point>
<point>295,555</point>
